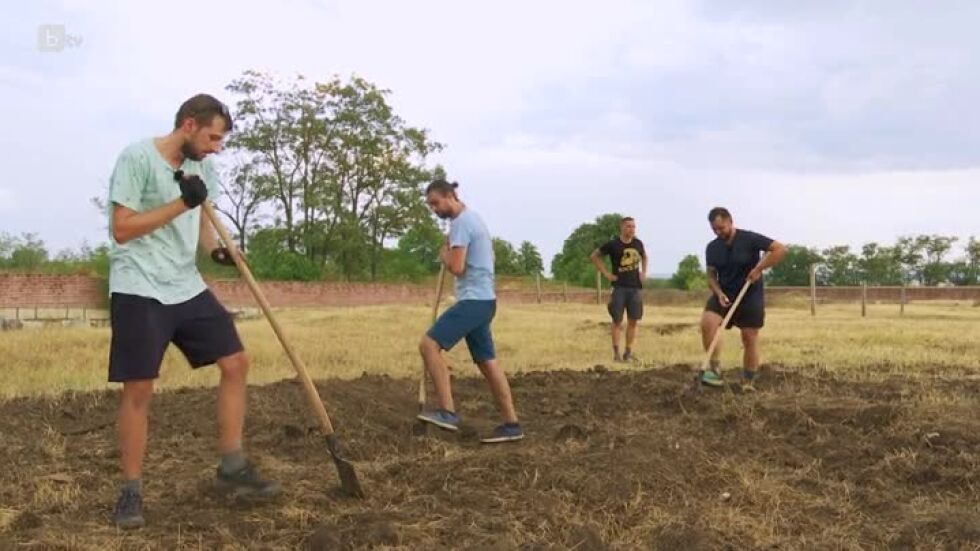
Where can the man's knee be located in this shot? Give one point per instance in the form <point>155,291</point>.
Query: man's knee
<point>750,337</point>
<point>428,345</point>
<point>632,323</point>
<point>485,366</point>
<point>709,323</point>
<point>137,394</point>
<point>235,366</point>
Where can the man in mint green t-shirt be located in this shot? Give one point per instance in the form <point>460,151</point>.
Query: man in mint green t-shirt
<point>157,295</point>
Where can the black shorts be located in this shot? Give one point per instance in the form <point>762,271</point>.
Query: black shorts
<point>142,328</point>
<point>626,299</point>
<point>751,314</point>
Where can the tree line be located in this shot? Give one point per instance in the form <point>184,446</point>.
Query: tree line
<point>915,260</point>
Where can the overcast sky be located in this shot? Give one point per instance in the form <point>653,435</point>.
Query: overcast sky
<point>817,123</point>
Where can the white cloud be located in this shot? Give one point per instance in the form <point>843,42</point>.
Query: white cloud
<point>807,121</point>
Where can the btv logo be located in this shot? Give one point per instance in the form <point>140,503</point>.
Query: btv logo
<point>53,38</point>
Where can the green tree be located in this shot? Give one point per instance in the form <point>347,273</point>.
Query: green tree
<point>243,190</point>
<point>572,264</point>
<point>840,267</point>
<point>421,244</point>
<point>794,270</point>
<point>880,265</point>
<point>343,171</point>
<point>505,258</point>
<point>971,264</point>
<point>26,252</point>
<point>529,259</point>
<point>689,275</point>
<point>936,269</point>
<point>911,254</point>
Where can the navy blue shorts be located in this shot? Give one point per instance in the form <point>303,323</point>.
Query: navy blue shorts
<point>142,328</point>
<point>469,319</point>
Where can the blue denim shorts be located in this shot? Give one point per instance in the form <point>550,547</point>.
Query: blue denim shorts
<point>469,319</point>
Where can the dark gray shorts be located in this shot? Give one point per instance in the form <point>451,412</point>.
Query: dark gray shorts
<point>628,300</point>
<point>751,313</point>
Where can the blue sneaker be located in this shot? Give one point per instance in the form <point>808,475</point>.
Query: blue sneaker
<point>508,432</point>
<point>711,378</point>
<point>441,418</point>
<point>129,510</point>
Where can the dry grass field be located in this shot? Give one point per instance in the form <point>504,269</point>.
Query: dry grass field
<point>864,435</point>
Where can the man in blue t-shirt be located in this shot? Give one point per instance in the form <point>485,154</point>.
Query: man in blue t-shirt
<point>468,255</point>
<point>733,258</point>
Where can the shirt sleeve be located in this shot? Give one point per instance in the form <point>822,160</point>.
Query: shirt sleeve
<point>709,261</point>
<point>642,248</point>
<point>127,181</point>
<point>606,248</point>
<point>460,234</point>
<point>761,242</point>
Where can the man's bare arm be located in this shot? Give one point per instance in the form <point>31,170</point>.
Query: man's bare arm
<point>128,224</point>
<point>455,259</point>
<point>716,287</point>
<point>596,258</point>
<point>775,255</point>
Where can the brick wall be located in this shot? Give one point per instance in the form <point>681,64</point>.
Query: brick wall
<point>33,290</point>
<point>76,291</point>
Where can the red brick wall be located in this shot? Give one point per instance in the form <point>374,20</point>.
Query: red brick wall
<point>29,290</point>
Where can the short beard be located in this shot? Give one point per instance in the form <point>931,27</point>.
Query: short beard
<point>188,152</point>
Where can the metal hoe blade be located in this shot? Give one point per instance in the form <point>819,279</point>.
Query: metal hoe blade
<point>349,485</point>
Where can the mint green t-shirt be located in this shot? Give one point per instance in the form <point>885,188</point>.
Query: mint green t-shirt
<point>162,264</point>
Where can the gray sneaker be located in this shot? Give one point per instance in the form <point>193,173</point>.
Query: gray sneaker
<point>246,483</point>
<point>129,511</point>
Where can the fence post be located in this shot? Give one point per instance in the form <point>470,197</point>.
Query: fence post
<point>864,299</point>
<point>537,282</point>
<point>598,288</point>
<point>813,289</point>
<point>564,291</point>
<point>901,309</point>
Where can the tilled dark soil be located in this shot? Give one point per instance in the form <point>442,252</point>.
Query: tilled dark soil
<point>612,459</point>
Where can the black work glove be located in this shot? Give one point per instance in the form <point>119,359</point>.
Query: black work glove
<point>192,189</point>
<point>222,255</point>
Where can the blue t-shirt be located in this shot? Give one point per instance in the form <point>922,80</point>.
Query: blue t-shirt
<point>468,230</point>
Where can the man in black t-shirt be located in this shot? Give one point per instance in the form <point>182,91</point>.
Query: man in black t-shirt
<point>629,263</point>
<point>733,258</point>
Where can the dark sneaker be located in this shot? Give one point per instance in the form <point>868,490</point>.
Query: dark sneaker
<point>441,418</point>
<point>618,359</point>
<point>508,432</point>
<point>630,357</point>
<point>246,483</point>
<point>129,511</point>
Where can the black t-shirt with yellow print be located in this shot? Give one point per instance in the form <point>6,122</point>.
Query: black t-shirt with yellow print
<point>627,262</point>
